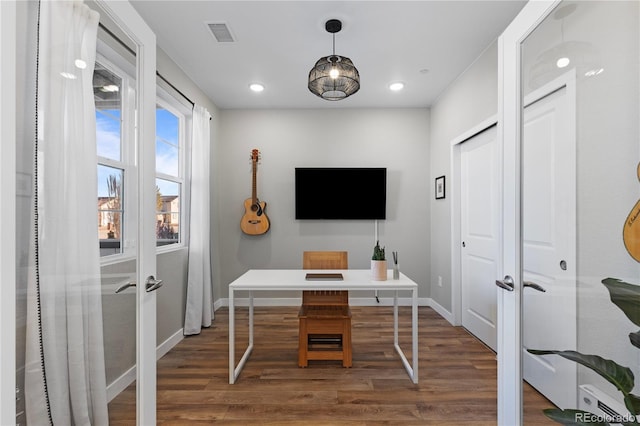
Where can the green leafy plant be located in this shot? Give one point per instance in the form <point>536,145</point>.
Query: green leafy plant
<point>626,297</point>
<point>378,252</point>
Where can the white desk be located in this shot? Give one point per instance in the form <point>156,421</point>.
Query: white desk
<point>294,279</point>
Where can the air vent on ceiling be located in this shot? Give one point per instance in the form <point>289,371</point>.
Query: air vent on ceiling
<point>221,32</point>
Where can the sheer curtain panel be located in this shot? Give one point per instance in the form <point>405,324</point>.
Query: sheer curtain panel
<point>199,309</point>
<point>65,372</point>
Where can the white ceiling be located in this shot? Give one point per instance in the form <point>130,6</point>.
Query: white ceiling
<point>277,43</point>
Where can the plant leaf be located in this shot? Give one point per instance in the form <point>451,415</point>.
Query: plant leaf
<point>633,403</point>
<point>573,417</point>
<point>635,339</point>
<point>626,297</point>
<point>619,376</point>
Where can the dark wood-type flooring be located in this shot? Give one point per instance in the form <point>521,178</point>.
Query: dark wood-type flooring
<point>457,377</point>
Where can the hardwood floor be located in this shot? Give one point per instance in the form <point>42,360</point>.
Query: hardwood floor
<point>457,377</point>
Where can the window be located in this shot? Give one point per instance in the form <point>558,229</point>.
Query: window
<point>114,98</point>
<point>109,86</point>
<point>170,170</point>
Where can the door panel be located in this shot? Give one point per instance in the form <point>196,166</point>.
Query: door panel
<point>548,238</point>
<point>479,231</point>
<point>142,38</point>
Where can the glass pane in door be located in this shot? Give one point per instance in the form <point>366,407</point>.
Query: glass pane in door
<point>580,201</point>
<point>119,323</point>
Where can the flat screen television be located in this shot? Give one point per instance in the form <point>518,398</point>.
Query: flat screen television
<point>341,193</point>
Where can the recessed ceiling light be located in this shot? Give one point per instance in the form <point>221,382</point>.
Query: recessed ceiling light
<point>256,87</point>
<point>396,86</point>
<point>80,64</point>
<point>563,62</point>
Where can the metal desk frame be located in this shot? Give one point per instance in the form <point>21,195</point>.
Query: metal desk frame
<point>294,279</point>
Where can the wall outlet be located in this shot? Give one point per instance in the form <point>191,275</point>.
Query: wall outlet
<point>439,281</point>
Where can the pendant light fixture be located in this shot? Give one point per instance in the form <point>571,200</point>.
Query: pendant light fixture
<point>334,77</point>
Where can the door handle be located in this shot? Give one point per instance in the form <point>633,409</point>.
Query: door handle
<point>125,286</point>
<point>533,286</point>
<point>152,284</point>
<point>506,283</point>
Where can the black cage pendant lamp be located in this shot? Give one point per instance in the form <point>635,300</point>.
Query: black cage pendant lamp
<point>334,77</point>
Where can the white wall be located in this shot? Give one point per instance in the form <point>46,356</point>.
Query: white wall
<point>470,100</point>
<point>397,139</point>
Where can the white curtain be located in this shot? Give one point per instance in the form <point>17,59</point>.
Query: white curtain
<point>199,309</point>
<point>65,372</point>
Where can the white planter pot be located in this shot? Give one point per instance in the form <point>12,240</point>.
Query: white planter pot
<point>379,270</point>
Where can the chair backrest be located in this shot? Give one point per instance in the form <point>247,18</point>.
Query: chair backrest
<point>325,260</point>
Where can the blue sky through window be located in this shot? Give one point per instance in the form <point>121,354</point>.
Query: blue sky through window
<point>167,143</point>
<point>108,133</point>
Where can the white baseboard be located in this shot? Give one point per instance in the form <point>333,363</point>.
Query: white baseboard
<point>168,344</point>
<point>220,303</point>
<point>122,382</point>
<point>442,312</point>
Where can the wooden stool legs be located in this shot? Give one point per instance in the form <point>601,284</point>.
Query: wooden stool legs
<point>324,338</point>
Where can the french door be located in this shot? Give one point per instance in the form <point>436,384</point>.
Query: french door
<point>17,196</point>
<point>142,38</point>
<point>565,243</point>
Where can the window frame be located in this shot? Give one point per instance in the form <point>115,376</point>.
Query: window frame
<point>116,64</point>
<point>174,105</point>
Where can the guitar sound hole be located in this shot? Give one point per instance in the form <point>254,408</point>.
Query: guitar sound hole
<point>254,208</point>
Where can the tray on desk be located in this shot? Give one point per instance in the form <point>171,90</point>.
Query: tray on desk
<point>324,276</point>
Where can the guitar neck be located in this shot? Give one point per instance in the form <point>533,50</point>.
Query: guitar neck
<point>254,180</point>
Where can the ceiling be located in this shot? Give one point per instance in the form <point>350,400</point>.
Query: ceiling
<point>424,44</point>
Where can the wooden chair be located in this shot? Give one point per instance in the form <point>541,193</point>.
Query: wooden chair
<point>324,317</point>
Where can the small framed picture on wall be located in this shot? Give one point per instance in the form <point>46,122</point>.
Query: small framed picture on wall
<point>439,187</point>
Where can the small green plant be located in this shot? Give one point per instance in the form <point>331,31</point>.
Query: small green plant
<point>626,297</point>
<point>378,252</point>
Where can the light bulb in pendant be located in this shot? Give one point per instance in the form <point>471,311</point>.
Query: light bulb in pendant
<point>334,73</point>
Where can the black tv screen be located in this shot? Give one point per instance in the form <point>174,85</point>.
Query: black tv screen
<point>341,193</point>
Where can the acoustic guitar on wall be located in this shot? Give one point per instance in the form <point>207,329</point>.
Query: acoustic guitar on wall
<point>255,220</point>
<point>631,230</point>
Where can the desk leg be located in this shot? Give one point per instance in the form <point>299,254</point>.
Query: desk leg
<point>234,372</point>
<point>395,318</point>
<point>232,339</point>
<point>251,319</point>
<point>412,369</point>
<point>414,333</point>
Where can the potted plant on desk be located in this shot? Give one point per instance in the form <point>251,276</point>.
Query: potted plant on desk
<point>378,264</point>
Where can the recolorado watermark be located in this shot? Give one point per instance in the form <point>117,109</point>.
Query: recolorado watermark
<point>605,418</point>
